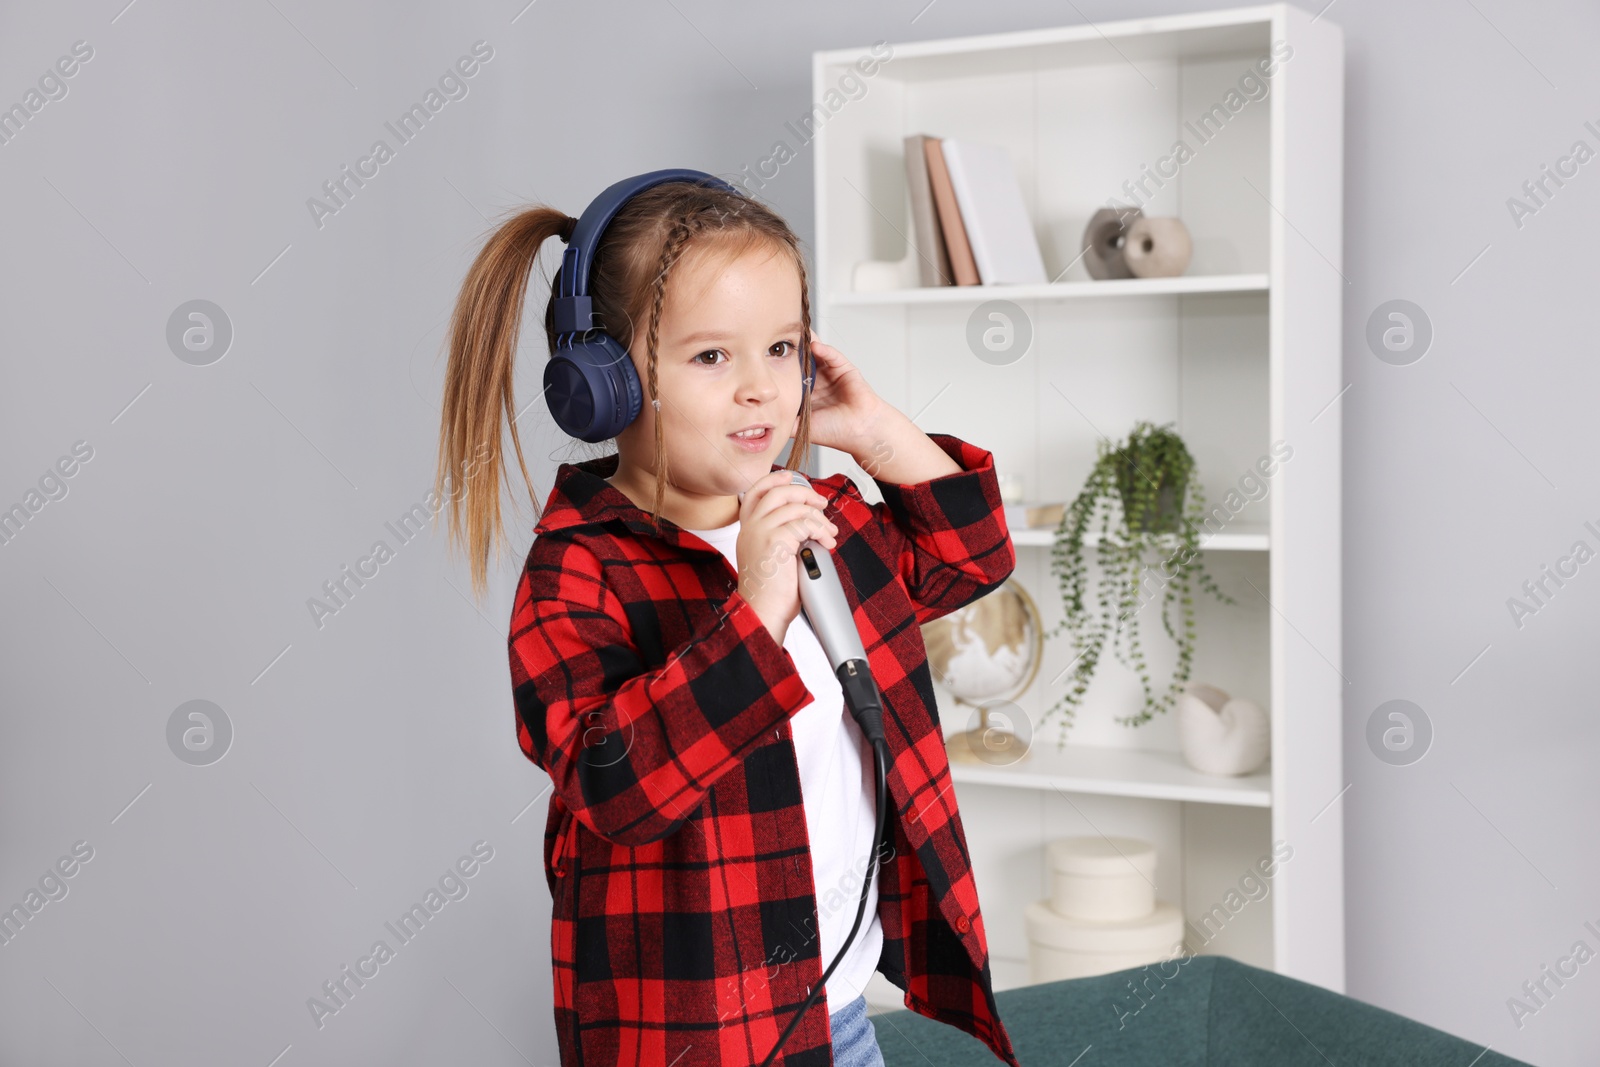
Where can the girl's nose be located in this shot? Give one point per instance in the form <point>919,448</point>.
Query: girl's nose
<point>758,382</point>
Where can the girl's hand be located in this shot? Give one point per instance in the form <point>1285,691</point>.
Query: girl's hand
<point>843,405</point>
<point>775,517</point>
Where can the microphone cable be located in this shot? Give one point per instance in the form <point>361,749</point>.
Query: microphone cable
<point>828,613</point>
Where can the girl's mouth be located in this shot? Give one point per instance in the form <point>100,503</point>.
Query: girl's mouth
<point>755,442</point>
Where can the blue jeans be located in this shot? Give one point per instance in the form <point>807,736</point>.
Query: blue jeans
<point>855,1042</point>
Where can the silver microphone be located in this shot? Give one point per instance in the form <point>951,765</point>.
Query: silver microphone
<point>826,609</point>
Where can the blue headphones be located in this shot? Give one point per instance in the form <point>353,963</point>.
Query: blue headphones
<point>590,384</point>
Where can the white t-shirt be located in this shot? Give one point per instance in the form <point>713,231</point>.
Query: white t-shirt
<point>838,786</point>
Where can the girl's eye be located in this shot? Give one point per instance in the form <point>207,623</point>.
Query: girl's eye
<point>786,348</point>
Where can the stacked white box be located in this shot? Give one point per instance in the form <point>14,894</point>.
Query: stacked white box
<point>1102,914</point>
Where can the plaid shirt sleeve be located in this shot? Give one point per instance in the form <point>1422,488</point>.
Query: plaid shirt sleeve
<point>950,531</point>
<point>633,750</point>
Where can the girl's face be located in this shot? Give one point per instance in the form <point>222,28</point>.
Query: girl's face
<point>728,359</point>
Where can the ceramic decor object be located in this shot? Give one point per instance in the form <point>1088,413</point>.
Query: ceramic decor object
<point>1221,735</point>
<point>1103,241</point>
<point>1157,247</point>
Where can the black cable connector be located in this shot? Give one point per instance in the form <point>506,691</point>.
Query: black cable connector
<point>861,697</point>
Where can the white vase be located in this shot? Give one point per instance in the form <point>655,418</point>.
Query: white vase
<point>1221,735</point>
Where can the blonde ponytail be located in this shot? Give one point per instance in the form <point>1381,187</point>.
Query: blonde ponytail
<point>478,385</point>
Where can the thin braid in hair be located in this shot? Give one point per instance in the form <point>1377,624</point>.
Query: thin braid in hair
<point>671,250</point>
<point>807,363</point>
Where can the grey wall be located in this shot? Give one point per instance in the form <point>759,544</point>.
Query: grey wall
<point>369,754</point>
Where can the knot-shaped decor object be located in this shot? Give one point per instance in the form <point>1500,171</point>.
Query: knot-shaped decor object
<point>1221,735</point>
<point>1103,241</point>
<point>1157,247</point>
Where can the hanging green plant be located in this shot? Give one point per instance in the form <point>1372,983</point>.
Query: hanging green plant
<point>1150,481</point>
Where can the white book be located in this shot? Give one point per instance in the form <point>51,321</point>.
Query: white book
<point>997,222</point>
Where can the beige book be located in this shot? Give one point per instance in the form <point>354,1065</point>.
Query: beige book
<point>933,259</point>
<point>962,264</point>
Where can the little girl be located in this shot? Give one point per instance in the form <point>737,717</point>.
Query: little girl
<point>713,812</point>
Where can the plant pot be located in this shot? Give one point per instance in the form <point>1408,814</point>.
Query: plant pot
<point>1168,510</point>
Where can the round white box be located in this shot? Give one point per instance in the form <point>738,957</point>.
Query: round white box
<point>1059,947</point>
<point>1102,879</point>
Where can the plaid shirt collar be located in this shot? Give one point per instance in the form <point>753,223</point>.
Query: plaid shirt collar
<point>583,497</point>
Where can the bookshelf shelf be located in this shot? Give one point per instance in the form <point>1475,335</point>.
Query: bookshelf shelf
<point>1240,537</point>
<point>1120,772</point>
<point>1076,290</point>
<point>1241,354</point>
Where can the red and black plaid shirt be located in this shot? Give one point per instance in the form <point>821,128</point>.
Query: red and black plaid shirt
<point>684,922</point>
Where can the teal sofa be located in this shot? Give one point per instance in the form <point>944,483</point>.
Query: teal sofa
<point>1205,1011</point>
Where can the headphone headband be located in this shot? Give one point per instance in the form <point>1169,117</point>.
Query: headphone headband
<point>574,313</point>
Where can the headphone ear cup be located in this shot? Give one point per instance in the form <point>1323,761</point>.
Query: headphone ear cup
<point>592,389</point>
<point>632,388</point>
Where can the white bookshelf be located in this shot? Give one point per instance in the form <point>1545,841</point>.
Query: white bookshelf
<point>1240,352</point>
